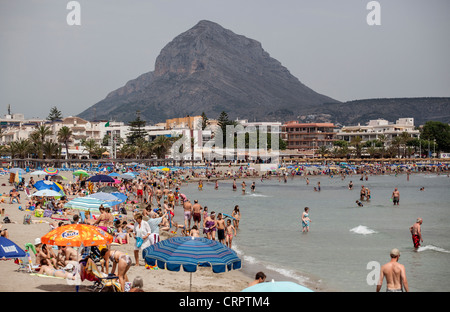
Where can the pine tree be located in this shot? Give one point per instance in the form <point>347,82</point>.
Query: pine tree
<point>136,129</point>
<point>204,121</point>
<point>54,114</point>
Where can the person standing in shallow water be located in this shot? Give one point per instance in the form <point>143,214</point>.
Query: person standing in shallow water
<point>394,273</point>
<point>416,232</point>
<point>305,220</point>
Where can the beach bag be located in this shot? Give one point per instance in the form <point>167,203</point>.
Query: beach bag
<point>27,219</point>
<point>48,213</point>
<point>6,220</point>
<point>139,242</point>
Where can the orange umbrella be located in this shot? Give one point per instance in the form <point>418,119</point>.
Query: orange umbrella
<point>76,235</point>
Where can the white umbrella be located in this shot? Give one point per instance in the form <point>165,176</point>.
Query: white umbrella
<point>47,193</point>
<point>38,172</point>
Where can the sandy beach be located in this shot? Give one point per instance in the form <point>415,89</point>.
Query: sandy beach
<point>204,280</point>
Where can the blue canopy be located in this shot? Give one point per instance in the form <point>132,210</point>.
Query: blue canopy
<point>100,178</point>
<point>190,252</point>
<point>10,250</point>
<point>46,185</point>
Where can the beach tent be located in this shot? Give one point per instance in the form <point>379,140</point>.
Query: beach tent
<point>10,250</point>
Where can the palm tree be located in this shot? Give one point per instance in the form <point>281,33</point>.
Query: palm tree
<point>65,136</point>
<point>90,145</point>
<point>38,138</point>
<point>161,145</point>
<point>51,149</point>
<point>356,142</point>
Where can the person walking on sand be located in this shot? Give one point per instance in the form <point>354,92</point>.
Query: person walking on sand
<point>394,273</point>
<point>416,232</point>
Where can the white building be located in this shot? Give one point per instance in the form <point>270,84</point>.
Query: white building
<point>375,128</point>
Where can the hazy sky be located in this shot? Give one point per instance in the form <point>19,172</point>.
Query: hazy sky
<point>326,44</point>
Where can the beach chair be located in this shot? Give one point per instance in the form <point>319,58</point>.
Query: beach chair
<point>28,193</point>
<point>90,272</point>
<point>26,264</point>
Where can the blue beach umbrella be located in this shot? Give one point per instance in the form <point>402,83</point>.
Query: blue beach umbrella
<point>86,203</point>
<point>47,185</point>
<point>191,252</point>
<point>100,178</point>
<point>104,196</point>
<point>277,287</point>
<point>10,250</point>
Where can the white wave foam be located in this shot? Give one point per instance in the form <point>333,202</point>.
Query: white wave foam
<point>256,195</point>
<point>431,247</point>
<point>362,229</point>
<point>288,273</point>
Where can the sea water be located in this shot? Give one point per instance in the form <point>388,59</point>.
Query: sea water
<point>344,239</point>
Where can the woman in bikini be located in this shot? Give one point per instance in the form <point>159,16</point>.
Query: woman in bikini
<point>229,233</point>
<point>49,270</point>
<point>120,260</point>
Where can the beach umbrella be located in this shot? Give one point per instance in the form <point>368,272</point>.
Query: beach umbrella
<point>37,172</point>
<point>51,171</point>
<point>108,189</point>
<point>127,176</point>
<point>47,193</point>
<point>77,235</point>
<point>114,174</point>
<point>48,185</point>
<point>100,178</point>
<point>17,170</point>
<point>80,173</point>
<point>189,253</point>
<point>165,169</point>
<point>10,250</point>
<point>57,178</point>
<point>273,286</point>
<point>86,203</point>
<point>103,196</point>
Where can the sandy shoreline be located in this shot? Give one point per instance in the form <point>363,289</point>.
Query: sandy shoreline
<point>154,280</point>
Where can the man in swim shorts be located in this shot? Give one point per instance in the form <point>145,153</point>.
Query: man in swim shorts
<point>394,273</point>
<point>416,233</point>
<point>196,213</point>
<point>187,213</point>
<point>396,196</point>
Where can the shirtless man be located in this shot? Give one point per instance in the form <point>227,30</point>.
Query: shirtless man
<point>416,233</point>
<point>394,273</point>
<point>159,194</point>
<point>362,193</point>
<point>68,254</point>
<point>220,228</point>
<point>196,213</point>
<point>140,191</point>
<point>259,278</point>
<point>187,213</point>
<point>396,196</point>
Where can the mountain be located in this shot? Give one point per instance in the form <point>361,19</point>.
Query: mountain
<point>210,69</point>
<point>421,109</point>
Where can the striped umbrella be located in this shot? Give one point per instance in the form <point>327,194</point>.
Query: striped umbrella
<point>189,253</point>
<point>51,171</point>
<point>86,203</point>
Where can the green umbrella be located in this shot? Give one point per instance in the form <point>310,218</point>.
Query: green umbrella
<point>81,173</point>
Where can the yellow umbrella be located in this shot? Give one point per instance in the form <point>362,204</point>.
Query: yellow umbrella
<point>165,169</point>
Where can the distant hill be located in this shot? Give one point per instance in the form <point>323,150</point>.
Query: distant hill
<point>361,111</point>
<point>210,69</point>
